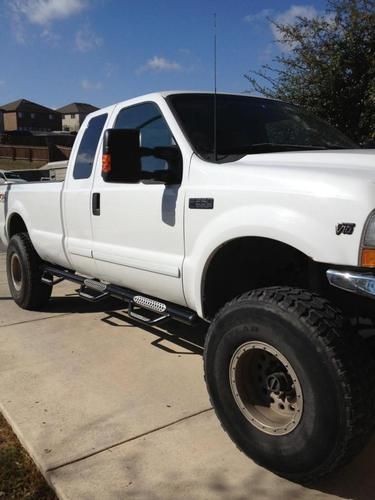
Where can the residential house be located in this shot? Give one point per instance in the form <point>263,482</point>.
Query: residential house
<point>1,121</point>
<point>73,115</point>
<point>30,116</point>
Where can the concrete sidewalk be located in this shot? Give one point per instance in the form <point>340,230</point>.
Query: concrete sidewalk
<point>108,410</point>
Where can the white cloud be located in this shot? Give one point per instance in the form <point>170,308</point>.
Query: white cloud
<point>160,64</point>
<point>89,85</point>
<point>50,37</point>
<point>291,16</point>
<point>45,11</point>
<point>86,39</point>
<point>287,17</point>
<point>17,26</point>
<point>258,16</point>
<point>265,55</point>
<point>110,69</point>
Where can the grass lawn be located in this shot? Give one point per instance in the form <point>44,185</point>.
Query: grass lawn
<point>20,164</point>
<point>19,478</point>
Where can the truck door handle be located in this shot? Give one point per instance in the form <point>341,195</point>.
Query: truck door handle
<point>96,203</point>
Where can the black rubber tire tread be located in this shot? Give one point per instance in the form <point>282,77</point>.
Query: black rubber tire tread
<point>348,354</point>
<point>34,294</point>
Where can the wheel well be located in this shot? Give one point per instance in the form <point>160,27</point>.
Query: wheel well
<point>247,263</point>
<point>16,225</point>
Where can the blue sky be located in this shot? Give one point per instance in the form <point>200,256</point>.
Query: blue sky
<point>102,51</point>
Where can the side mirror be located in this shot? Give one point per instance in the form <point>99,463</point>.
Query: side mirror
<point>121,156</point>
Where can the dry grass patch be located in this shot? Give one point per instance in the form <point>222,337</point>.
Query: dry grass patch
<point>19,478</point>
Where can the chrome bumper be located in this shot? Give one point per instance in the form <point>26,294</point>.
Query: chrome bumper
<point>363,284</point>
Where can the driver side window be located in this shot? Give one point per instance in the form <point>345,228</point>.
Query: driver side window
<point>154,132</point>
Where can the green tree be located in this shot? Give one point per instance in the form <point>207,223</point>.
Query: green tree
<point>328,66</point>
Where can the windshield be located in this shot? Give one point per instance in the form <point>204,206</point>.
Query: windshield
<point>11,176</point>
<point>249,125</point>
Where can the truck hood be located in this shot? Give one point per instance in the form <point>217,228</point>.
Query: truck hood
<point>335,171</point>
<point>349,161</point>
<point>298,198</point>
<point>330,174</point>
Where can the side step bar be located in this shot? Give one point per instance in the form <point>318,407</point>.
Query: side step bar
<point>94,291</point>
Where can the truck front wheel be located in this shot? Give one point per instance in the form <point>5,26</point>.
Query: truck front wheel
<point>24,274</point>
<point>293,390</point>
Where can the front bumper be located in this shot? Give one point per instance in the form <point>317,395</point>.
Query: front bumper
<point>351,281</point>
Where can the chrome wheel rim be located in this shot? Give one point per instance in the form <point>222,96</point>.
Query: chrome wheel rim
<point>266,388</point>
<point>16,272</point>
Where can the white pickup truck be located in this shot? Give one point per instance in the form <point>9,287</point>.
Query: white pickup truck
<point>246,212</point>
<point>8,177</point>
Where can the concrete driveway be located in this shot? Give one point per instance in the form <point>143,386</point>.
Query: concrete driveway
<point>109,410</point>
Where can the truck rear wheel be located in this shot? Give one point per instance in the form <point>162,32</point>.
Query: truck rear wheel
<point>24,274</point>
<point>293,390</point>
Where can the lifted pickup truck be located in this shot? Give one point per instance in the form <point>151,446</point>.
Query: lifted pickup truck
<point>261,223</point>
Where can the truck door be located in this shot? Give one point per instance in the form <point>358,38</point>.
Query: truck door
<point>77,196</point>
<point>138,228</point>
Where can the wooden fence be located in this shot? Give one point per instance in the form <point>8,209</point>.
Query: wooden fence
<point>34,153</point>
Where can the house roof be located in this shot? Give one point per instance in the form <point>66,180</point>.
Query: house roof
<point>77,107</point>
<point>26,106</point>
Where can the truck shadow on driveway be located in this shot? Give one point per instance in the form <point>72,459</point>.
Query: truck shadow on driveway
<point>356,480</point>
<point>169,334</point>
<point>72,303</point>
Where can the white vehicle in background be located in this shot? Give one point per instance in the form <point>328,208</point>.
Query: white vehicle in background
<point>10,177</point>
<point>56,170</point>
<point>261,223</point>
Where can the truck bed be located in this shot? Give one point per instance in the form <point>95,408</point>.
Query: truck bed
<point>39,205</point>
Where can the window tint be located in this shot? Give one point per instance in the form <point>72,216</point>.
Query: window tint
<point>243,122</point>
<point>87,148</point>
<point>154,131</point>
<point>11,175</point>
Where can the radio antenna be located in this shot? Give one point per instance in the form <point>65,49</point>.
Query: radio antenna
<point>215,93</point>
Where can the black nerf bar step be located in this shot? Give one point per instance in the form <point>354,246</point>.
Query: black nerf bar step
<point>94,290</point>
<point>48,279</point>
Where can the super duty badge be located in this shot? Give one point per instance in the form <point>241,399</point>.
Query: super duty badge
<point>201,203</point>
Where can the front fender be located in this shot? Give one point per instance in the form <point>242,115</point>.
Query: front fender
<point>308,232</point>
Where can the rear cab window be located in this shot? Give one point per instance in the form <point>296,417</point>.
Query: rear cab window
<point>87,149</point>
